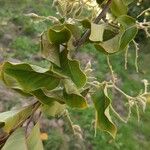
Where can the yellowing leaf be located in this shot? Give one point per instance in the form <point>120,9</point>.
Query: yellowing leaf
<point>16,141</point>
<point>96,32</point>
<point>72,96</point>
<point>14,117</point>
<point>34,139</point>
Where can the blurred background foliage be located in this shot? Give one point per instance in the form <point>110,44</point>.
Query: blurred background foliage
<point>19,41</point>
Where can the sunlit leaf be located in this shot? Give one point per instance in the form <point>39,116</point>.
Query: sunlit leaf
<point>103,118</point>
<point>110,46</point>
<point>16,141</point>
<point>97,32</point>
<point>12,118</point>
<point>34,140</point>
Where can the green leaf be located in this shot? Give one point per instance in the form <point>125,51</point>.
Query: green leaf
<point>50,51</point>
<point>129,30</point>
<point>126,21</point>
<point>28,77</point>
<point>49,98</point>
<point>71,69</point>
<point>72,96</point>
<point>127,37</point>
<point>85,23</point>
<point>110,46</point>
<point>34,141</point>
<point>103,118</point>
<point>97,32</point>
<point>54,110</point>
<point>12,118</point>
<point>59,36</point>
<point>127,2</point>
<point>74,29</point>
<point>16,141</point>
<point>118,8</point>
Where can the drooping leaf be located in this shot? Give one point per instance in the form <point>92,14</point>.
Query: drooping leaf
<point>34,141</point>
<point>16,141</point>
<point>12,118</point>
<point>118,8</point>
<point>96,32</point>
<point>72,96</point>
<point>127,37</point>
<point>28,77</point>
<point>49,51</point>
<point>59,36</point>
<point>103,118</point>
<point>110,46</point>
<point>53,110</point>
<point>129,30</point>
<point>49,98</point>
<point>71,69</point>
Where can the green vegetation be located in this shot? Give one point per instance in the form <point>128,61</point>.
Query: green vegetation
<point>24,46</point>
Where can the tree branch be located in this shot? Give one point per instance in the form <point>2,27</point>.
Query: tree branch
<point>96,21</point>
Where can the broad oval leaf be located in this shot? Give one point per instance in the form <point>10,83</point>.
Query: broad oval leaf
<point>127,37</point>
<point>103,118</point>
<point>34,141</point>
<point>16,141</point>
<point>28,77</point>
